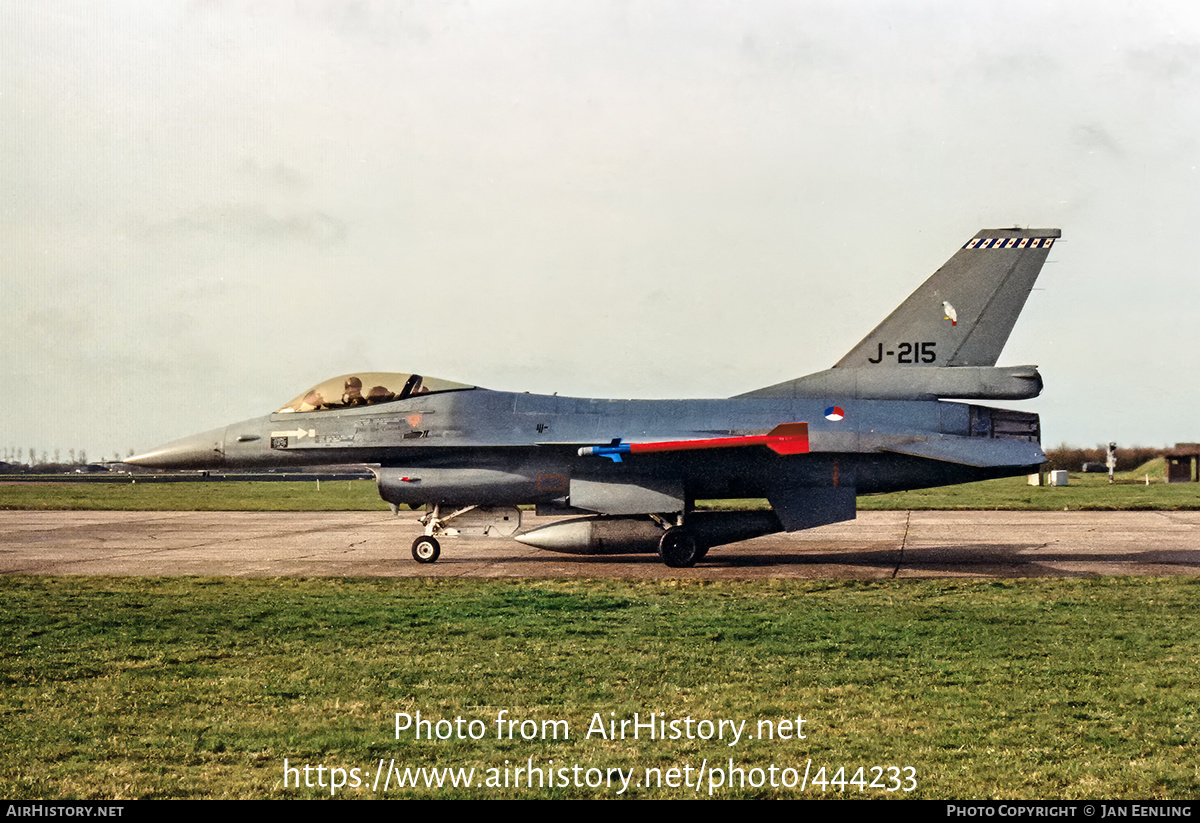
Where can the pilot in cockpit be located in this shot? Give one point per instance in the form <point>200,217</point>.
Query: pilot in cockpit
<point>352,396</point>
<point>379,394</point>
<point>312,401</point>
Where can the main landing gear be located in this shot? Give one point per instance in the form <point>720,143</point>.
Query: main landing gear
<point>679,549</point>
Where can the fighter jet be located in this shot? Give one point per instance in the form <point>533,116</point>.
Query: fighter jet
<point>629,472</point>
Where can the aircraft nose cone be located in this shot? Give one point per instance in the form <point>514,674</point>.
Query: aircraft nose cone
<point>200,451</point>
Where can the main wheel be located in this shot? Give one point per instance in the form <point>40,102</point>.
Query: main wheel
<point>677,548</point>
<point>426,550</point>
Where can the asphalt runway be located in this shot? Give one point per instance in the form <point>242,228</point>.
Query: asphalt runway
<point>368,544</point>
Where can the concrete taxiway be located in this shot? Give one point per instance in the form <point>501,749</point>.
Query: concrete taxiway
<point>365,544</point>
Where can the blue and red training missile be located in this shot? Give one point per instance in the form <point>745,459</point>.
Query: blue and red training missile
<point>786,438</point>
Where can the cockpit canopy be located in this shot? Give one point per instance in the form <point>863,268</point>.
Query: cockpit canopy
<point>367,389</point>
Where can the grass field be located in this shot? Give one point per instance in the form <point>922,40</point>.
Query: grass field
<point>124,688</point>
<point>1086,492</point>
<point>309,495</point>
<point>202,688</point>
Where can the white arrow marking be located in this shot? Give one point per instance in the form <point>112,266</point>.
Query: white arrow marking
<point>298,433</point>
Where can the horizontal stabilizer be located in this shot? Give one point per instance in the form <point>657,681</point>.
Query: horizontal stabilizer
<point>974,451</point>
<point>786,438</point>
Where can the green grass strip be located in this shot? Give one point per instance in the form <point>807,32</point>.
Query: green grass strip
<point>200,688</point>
<point>1085,492</point>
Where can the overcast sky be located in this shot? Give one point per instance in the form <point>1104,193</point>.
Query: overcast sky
<point>209,207</point>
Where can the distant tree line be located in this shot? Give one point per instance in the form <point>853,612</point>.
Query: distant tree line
<point>1072,458</point>
<point>17,455</point>
<point>14,460</point>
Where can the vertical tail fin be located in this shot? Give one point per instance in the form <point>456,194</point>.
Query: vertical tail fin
<point>960,317</point>
<point>963,314</point>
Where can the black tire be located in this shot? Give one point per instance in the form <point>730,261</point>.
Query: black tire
<point>678,548</point>
<point>426,550</point>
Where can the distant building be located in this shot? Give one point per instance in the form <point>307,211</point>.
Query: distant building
<point>1182,462</point>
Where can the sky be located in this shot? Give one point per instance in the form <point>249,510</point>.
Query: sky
<point>209,207</point>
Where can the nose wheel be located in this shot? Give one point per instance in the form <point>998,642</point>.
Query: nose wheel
<point>426,550</point>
